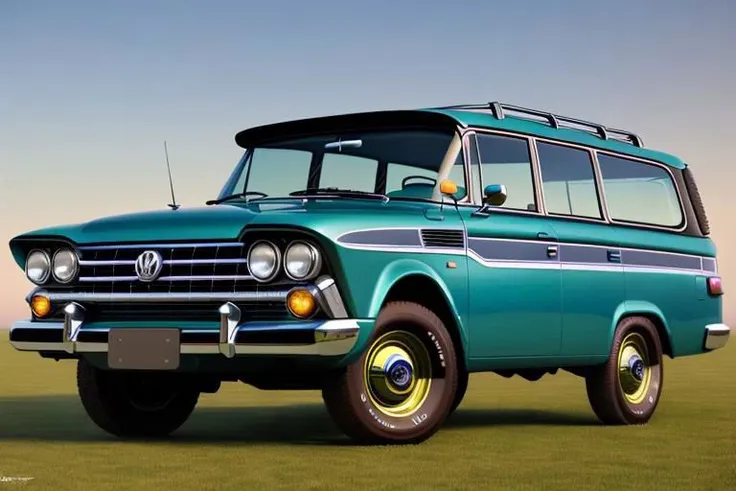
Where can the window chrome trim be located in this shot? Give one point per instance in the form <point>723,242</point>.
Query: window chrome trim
<point>669,172</point>
<point>599,192</point>
<point>595,151</point>
<point>480,131</point>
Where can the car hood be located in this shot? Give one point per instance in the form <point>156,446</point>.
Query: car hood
<point>227,221</point>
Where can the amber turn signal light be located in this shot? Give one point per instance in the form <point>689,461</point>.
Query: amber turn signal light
<point>301,303</point>
<point>40,305</point>
<point>448,186</point>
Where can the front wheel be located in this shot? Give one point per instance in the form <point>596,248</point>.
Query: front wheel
<point>626,390</point>
<point>462,387</point>
<point>134,404</point>
<point>403,387</point>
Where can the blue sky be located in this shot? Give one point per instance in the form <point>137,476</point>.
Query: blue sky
<point>89,89</point>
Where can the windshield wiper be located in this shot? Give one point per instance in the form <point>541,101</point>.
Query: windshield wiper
<point>348,193</point>
<point>235,196</point>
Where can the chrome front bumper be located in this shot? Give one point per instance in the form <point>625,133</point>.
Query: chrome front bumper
<point>330,337</point>
<point>716,336</point>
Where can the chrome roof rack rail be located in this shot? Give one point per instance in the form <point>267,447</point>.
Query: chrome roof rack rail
<point>499,110</point>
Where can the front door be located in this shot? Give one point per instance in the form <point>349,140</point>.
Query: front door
<point>515,292</point>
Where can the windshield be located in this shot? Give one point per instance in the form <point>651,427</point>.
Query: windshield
<point>399,164</point>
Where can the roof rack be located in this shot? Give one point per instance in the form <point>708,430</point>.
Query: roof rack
<point>499,111</point>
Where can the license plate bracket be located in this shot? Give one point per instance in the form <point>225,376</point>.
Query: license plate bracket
<point>143,349</point>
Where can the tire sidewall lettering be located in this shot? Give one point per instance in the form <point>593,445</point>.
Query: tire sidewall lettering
<point>438,347</point>
<point>375,413</point>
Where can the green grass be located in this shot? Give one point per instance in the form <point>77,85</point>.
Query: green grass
<point>508,434</point>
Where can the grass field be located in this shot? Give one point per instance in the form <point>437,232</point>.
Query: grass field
<point>508,434</point>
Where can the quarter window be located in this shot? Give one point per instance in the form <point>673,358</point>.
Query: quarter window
<point>506,160</point>
<point>568,181</point>
<point>396,173</point>
<point>639,192</point>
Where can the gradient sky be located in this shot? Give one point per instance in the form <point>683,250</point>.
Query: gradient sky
<point>89,90</point>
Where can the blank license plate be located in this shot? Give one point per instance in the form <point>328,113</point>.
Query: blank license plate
<point>143,349</point>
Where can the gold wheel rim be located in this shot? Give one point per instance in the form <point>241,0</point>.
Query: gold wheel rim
<point>397,373</point>
<point>634,368</point>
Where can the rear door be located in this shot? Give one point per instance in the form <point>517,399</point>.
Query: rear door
<point>593,285</point>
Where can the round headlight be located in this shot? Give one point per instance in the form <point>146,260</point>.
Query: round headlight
<point>263,260</point>
<point>301,261</point>
<point>65,265</point>
<point>38,267</point>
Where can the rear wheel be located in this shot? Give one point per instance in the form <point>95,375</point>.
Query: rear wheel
<point>403,387</point>
<point>134,404</point>
<point>626,390</point>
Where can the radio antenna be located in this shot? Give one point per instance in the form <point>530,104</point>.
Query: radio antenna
<point>173,204</point>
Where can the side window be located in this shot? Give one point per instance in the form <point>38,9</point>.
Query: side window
<point>457,174</point>
<point>506,160</point>
<point>348,172</point>
<point>638,192</point>
<point>422,188</point>
<point>568,181</point>
<point>396,173</point>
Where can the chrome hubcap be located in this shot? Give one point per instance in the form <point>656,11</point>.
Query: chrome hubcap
<point>399,372</point>
<point>636,367</point>
<point>634,372</point>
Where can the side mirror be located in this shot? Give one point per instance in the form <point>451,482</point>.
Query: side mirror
<point>494,195</point>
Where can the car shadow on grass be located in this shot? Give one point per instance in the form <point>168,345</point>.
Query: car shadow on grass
<point>62,418</point>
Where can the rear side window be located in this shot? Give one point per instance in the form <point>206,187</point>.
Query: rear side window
<point>568,181</point>
<point>638,192</point>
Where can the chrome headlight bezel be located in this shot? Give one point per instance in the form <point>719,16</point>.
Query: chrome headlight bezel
<point>276,262</point>
<point>315,260</point>
<point>46,266</point>
<point>74,265</point>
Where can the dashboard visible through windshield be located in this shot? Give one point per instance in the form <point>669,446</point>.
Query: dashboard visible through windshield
<point>398,164</point>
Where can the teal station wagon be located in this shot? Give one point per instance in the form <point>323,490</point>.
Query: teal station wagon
<point>381,258</point>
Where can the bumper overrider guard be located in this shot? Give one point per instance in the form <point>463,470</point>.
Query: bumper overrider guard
<point>325,337</point>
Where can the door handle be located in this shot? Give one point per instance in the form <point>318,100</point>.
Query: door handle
<point>614,256</point>
<point>551,251</point>
<point>546,236</point>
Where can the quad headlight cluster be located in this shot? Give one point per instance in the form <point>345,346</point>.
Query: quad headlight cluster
<point>63,266</point>
<point>301,261</point>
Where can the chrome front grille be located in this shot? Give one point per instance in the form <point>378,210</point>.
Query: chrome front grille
<point>196,311</point>
<point>187,268</point>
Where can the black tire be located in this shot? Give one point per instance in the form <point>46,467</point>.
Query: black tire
<point>355,407</point>
<point>462,388</point>
<point>607,390</point>
<point>111,402</point>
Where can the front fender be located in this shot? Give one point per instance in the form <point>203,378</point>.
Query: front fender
<point>400,269</point>
<point>389,276</point>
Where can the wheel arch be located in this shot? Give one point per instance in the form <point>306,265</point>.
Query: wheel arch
<point>414,281</point>
<point>648,310</point>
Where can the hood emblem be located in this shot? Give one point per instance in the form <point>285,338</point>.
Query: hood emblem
<point>148,266</point>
